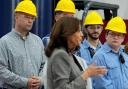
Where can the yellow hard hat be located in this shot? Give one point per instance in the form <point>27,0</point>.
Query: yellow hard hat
<point>66,6</point>
<point>116,24</point>
<point>93,17</point>
<point>26,6</point>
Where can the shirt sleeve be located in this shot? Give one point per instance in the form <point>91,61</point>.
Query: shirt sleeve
<point>6,74</point>
<point>101,82</point>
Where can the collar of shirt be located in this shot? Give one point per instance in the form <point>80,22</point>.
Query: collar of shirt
<point>86,44</point>
<point>107,48</point>
<point>18,34</point>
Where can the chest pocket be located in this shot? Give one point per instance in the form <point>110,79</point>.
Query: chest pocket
<point>113,71</point>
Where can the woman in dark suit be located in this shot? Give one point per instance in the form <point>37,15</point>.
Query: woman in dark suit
<point>63,70</point>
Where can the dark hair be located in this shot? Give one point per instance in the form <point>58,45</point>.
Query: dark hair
<point>62,29</point>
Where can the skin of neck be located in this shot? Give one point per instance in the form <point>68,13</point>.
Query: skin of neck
<point>115,48</point>
<point>21,31</point>
<point>93,42</point>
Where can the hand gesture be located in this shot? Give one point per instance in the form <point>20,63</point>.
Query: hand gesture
<point>94,70</point>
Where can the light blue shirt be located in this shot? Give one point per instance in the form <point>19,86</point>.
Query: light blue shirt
<point>46,40</point>
<point>84,51</point>
<point>20,58</point>
<point>117,75</point>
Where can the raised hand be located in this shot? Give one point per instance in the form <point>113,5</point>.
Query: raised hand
<point>94,70</point>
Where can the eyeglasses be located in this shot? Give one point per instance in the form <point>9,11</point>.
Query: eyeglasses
<point>119,35</point>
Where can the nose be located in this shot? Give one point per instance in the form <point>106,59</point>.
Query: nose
<point>82,35</point>
<point>30,20</point>
<point>95,30</point>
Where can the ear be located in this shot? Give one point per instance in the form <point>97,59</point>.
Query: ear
<point>57,17</point>
<point>16,16</point>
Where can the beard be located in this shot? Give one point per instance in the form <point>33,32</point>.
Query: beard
<point>94,35</point>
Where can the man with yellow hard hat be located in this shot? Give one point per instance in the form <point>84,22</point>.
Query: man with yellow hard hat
<point>93,27</point>
<point>63,8</point>
<point>22,52</point>
<point>112,56</point>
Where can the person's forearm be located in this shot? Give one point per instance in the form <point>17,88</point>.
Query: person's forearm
<point>85,75</point>
<point>12,79</point>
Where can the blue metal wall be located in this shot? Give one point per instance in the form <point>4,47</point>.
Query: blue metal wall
<point>44,21</point>
<point>41,27</point>
<point>5,16</point>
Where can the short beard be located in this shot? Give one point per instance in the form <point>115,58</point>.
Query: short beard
<point>94,38</point>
